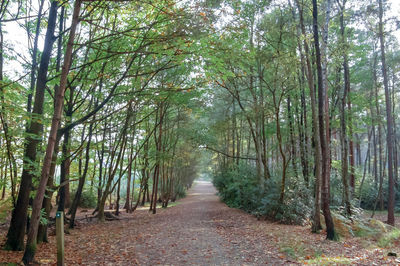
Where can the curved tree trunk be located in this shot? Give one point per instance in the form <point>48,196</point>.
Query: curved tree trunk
<point>42,231</point>
<point>58,108</point>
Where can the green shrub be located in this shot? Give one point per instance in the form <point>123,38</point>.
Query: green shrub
<point>297,204</point>
<point>88,199</point>
<point>336,187</point>
<point>180,191</point>
<point>368,195</point>
<point>388,239</point>
<point>397,206</point>
<point>238,187</point>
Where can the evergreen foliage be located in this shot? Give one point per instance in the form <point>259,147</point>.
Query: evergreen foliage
<point>239,188</point>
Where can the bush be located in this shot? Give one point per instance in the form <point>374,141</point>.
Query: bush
<point>238,187</point>
<point>88,199</point>
<point>297,204</point>
<point>180,191</point>
<point>336,187</point>
<point>369,194</point>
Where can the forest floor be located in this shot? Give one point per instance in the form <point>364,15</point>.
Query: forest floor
<point>201,230</point>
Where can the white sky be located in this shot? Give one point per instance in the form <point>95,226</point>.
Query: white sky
<point>395,12</point>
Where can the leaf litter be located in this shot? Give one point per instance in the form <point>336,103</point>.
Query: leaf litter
<point>200,230</point>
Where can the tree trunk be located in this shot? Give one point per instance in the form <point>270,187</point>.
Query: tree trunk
<point>343,137</point>
<point>316,226</point>
<point>113,166</point>
<point>119,183</point>
<point>292,142</point>
<point>66,161</point>
<point>34,57</point>
<point>79,190</point>
<point>16,231</point>
<point>101,159</point>
<point>133,190</point>
<point>128,185</point>
<point>344,154</point>
<point>325,193</point>
<point>59,99</point>
<point>157,168</point>
<point>42,231</point>
<point>389,121</point>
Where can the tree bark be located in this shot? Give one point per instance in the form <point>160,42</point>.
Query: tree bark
<point>157,167</point>
<point>389,121</point>
<point>34,57</point>
<point>30,248</point>
<point>128,185</point>
<point>343,136</point>
<point>42,231</point>
<point>316,226</point>
<point>16,231</point>
<point>78,194</point>
<point>292,141</point>
<point>325,193</point>
<point>66,161</point>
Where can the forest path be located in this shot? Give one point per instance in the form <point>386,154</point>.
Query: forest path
<point>199,230</point>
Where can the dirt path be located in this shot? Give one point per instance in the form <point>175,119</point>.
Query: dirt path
<point>200,230</point>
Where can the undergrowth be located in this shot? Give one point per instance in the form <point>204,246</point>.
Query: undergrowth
<point>239,187</point>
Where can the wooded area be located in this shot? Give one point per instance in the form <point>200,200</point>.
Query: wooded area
<point>290,106</point>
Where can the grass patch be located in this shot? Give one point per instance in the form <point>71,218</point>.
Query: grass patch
<point>172,204</point>
<point>322,260</point>
<point>365,232</point>
<point>147,205</point>
<point>317,253</point>
<point>293,250</point>
<point>289,251</point>
<point>387,239</point>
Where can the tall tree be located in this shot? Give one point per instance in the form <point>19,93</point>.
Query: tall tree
<point>30,248</point>
<point>389,120</point>
<point>325,191</point>
<point>346,90</point>
<point>16,231</point>
<point>315,122</point>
